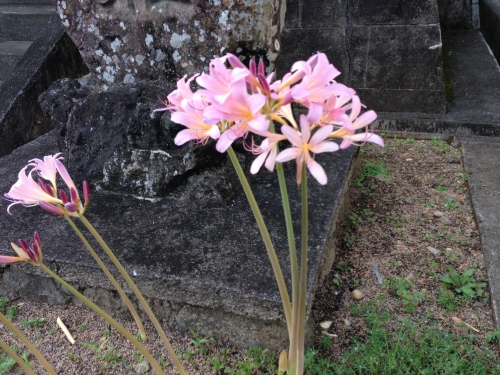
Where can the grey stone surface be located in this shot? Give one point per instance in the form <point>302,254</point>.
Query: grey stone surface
<point>474,92</point>
<point>489,11</point>
<point>10,54</point>
<point>482,165</point>
<point>50,57</point>
<point>23,21</point>
<point>388,51</point>
<point>455,14</point>
<point>114,139</point>
<point>123,41</point>
<point>377,12</point>
<point>185,255</point>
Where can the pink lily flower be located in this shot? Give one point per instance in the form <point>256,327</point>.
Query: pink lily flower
<point>219,83</point>
<point>28,192</point>
<point>355,122</point>
<point>303,144</point>
<point>191,117</point>
<point>267,151</point>
<point>26,253</point>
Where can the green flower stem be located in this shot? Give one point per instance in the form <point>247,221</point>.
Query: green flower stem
<point>28,344</point>
<point>145,305</point>
<point>107,318</point>
<point>278,274</point>
<point>18,359</point>
<point>301,320</point>
<point>111,278</point>
<point>293,262</point>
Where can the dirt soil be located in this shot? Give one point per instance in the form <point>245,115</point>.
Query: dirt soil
<point>410,218</point>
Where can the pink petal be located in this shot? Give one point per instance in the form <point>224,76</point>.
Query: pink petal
<point>257,163</point>
<point>321,134</point>
<point>225,141</point>
<point>6,259</point>
<point>365,119</point>
<point>183,136</point>
<point>326,146</point>
<point>287,155</point>
<point>315,113</point>
<point>368,137</point>
<point>292,135</point>
<point>317,171</point>
<point>64,174</point>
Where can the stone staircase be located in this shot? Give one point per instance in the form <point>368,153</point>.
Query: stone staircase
<point>21,22</point>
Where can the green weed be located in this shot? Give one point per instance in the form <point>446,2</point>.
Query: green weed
<point>404,288</point>
<point>464,284</point>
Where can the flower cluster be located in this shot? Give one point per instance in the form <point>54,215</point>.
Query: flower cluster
<point>26,253</point>
<point>43,191</point>
<point>235,100</point>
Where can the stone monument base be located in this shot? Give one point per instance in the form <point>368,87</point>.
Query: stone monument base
<point>201,266</point>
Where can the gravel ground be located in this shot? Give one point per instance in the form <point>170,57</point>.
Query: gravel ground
<point>410,218</point>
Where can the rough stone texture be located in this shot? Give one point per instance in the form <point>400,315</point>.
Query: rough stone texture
<point>481,159</point>
<point>389,51</point>
<point>185,256</point>
<point>490,24</point>
<point>123,41</point>
<point>473,93</point>
<point>50,57</point>
<point>114,139</point>
<point>455,14</point>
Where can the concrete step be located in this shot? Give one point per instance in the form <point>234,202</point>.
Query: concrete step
<point>23,21</point>
<point>10,53</point>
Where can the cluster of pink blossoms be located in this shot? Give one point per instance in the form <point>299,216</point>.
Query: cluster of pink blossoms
<point>234,101</point>
<point>43,191</point>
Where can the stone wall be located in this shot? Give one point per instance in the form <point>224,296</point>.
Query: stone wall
<point>388,50</point>
<point>456,14</point>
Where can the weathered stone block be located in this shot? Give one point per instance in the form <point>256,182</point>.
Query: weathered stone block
<point>300,44</point>
<point>396,57</point>
<point>376,12</point>
<point>123,41</point>
<point>388,50</point>
<point>455,14</point>
<point>189,257</point>
<point>490,24</point>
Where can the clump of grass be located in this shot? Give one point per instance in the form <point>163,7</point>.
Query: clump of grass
<point>371,169</point>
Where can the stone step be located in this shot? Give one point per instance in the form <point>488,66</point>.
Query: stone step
<point>10,53</point>
<point>23,21</point>
<point>23,2</point>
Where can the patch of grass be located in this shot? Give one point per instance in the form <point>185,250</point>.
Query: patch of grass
<point>404,288</point>
<point>6,363</point>
<point>450,204</point>
<point>201,343</point>
<point>493,336</point>
<point>348,239</point>
<point>441,189</point>
<point>7,308</point>
<point>447,300</point>
<point>371,169</point>
<point>35,322</point>
<point>440,145</point>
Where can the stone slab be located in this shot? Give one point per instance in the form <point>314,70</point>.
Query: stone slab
<point>473,77</point>
<point>10,54</point>
<point>455,14</point>
<point>482,165</point>
<point>194,262</point>
<point>363,38</point>
<point>51,56</point>
<point>489,11</point>
<point>23,21</point>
